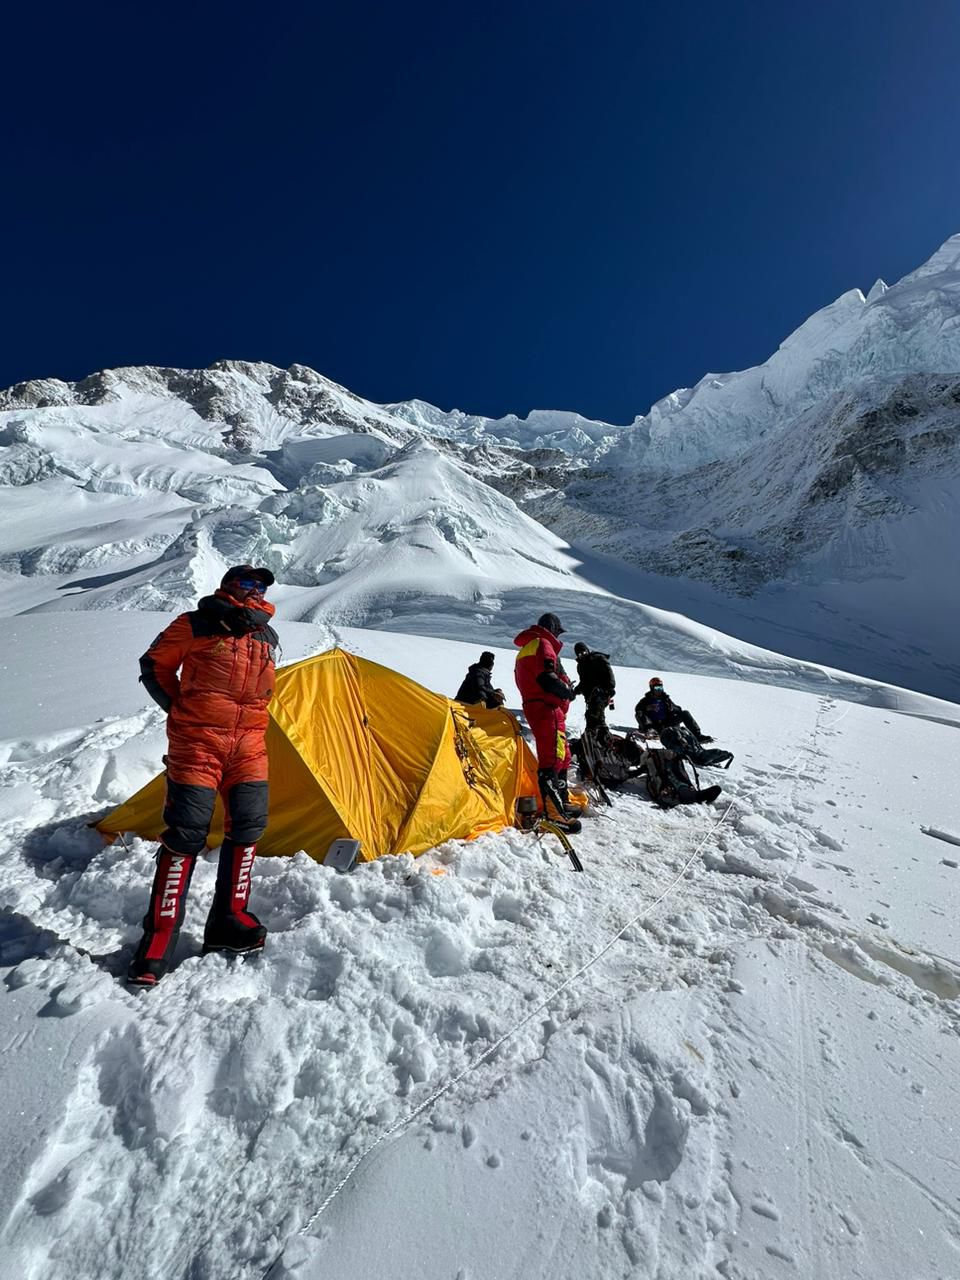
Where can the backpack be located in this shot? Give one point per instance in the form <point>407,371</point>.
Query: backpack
<point>609,761</point>
<point>595,672</point>
<point>681,741</point>
<point>668,783</point>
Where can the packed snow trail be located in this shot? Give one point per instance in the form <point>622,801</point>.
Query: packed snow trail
<point>489,1052</point>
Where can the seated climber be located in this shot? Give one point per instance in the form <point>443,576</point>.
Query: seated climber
<point>656,712</point>
<point>477,685</point>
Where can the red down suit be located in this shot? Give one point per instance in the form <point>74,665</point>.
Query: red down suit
<point>546,693</point>
<point>224,652</point>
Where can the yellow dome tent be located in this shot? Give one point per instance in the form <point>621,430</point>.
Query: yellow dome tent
<point>359,751</point>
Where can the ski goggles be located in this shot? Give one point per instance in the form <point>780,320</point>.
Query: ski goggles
<point>250,584</point>
<point>656,688</point>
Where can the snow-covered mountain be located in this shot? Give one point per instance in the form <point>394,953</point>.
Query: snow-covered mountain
<point>540,429</point>
<point>727,1049</point>
<point>912,327</point>
<point>795,505</point>
<point>134,489</point>
<point>882,336</point>
<point>827,538</point>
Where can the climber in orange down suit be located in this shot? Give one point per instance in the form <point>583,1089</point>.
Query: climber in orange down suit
<point>224,651</point>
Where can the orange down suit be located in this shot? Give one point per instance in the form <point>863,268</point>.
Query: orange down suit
<point>217,717</point>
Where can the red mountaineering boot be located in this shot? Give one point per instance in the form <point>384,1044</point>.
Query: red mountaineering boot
<point>230,926</point>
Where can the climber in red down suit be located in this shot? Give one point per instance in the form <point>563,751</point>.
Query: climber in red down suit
<point>546,692</point>
<point>224,652</point>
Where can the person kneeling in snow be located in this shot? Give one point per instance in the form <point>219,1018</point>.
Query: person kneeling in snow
<point>546,693</point>
<point>216,708</point>
<point>477,684</point>
<point>656,712</point>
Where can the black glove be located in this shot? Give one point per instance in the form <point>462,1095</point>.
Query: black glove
<point>704,737</point>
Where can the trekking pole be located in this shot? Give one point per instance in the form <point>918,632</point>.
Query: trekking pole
<point>590,757</point>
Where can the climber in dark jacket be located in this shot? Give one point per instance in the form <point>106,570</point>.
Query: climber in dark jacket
<point>598,685</point>
<point>656,712</point>
<point>477,684</point>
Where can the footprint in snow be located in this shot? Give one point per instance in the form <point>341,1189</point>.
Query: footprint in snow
<point>766,1209</point>
<point>803,886</point>
<point>445,957</point>
<point>826,841</point>
<point>57,1193</point>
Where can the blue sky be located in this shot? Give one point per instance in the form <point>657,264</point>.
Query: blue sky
<point>495,207</point>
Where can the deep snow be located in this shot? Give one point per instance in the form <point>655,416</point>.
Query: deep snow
<point>758,1080</point>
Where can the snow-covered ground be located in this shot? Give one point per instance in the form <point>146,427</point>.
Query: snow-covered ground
<point>758,1079</point>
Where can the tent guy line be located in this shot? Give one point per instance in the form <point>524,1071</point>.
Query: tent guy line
<point>406,1120</point>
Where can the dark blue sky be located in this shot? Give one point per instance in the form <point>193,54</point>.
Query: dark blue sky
<point>492,206</point>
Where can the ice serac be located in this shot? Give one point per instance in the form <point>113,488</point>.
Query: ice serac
<point>910,327</point>
<point>540,429</point>
<point>945,262</point>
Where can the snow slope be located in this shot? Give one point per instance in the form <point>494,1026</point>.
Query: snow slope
<point>819,540</point>
<point>758,1080</point>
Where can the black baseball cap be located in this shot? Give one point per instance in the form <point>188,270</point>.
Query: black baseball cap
<point>247,571</point>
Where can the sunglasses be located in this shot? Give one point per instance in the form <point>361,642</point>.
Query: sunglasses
<point>250,584</point>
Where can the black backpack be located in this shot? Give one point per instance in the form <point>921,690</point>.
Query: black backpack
<point>609,761</point>
<point>668,782</point>
<point>595,671</point>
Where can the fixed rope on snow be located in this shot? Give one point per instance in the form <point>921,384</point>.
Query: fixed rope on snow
<point>408,1117</point>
